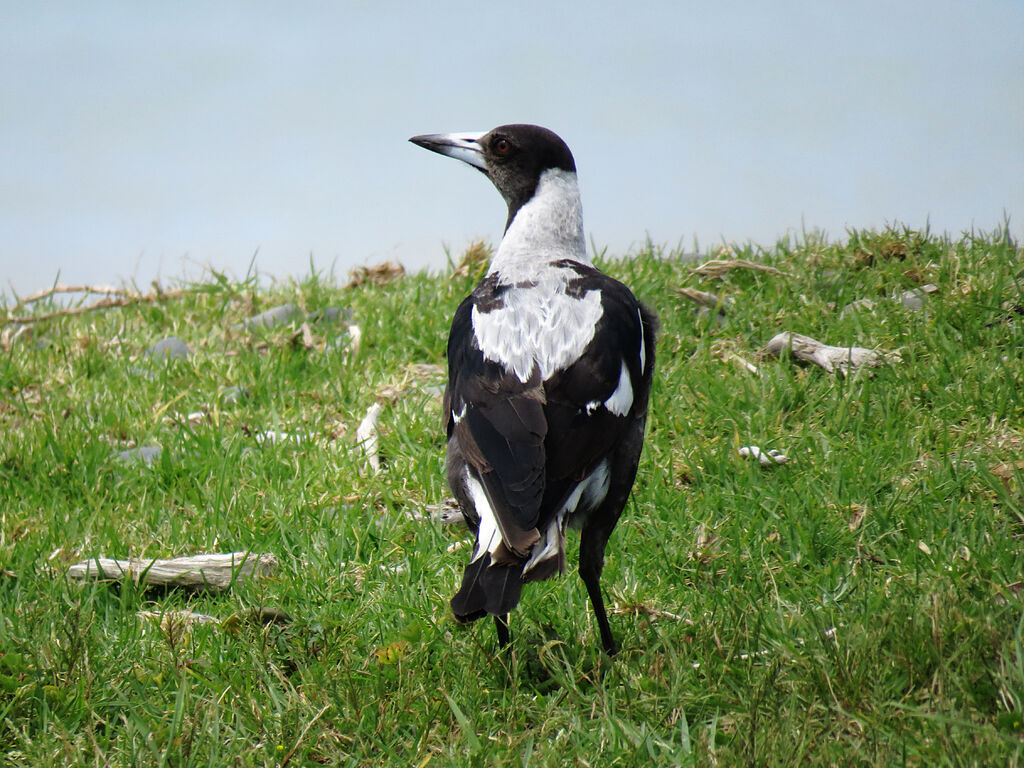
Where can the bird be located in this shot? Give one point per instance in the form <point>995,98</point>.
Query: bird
<point>550,364</point>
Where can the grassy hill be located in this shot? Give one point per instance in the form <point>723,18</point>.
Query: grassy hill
<point>861,604</point>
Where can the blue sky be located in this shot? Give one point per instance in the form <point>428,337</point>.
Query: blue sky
<point>140,139</point>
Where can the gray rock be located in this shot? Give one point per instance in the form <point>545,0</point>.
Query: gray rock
<point>329,315</point>
<point>720,318</point>
<point>145,454</point>
<point>913,300</point>
<point>270,318</point>
<point>860,305</point>
<point>171,348</point>
<point>234,395</point>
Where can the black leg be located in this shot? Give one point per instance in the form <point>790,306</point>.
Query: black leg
<point>501,624</point>
<point>592,545</point>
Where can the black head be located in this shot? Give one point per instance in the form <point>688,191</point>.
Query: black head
<point>513,157</point>
<point>516,156</point>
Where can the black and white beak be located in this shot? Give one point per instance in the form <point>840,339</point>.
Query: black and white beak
<point>462,146</point>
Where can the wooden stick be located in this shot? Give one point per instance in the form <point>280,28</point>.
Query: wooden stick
<point>704,299</point>
<point>828,358</point>
<point>642,610</point>
<point>171,620</point>
<point>718,267</point>
<point>61,288</point>
<point>214,572</point>
<point>123,299</point>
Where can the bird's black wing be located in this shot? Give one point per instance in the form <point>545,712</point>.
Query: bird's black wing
<point>500,426</point>
<point>591,404</point>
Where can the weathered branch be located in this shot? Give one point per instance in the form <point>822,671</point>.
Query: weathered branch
<point>61,288</point>
<point>718,267</point>
<point>214,572</point>
<point>831,359</point>
<point>705,299</point>
<point>116,297</point>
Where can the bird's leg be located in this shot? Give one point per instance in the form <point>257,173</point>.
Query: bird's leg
<point>592,545</point>
<point>501,624</point>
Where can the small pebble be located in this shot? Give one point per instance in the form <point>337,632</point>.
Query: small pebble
<point>329,315</point>
<point>170,348</point>
<point>860,305</point>
<point>719,319</point>
<point>270,318</point>
<point>147,454</point>
<point>234,395</point>
<point>914,299</point>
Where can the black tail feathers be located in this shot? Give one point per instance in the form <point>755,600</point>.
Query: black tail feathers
<point>487,589</point>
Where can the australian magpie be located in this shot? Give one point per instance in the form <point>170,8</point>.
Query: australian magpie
<point>549,371</point>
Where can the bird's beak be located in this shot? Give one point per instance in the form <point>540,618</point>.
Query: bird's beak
<point>462,146</point>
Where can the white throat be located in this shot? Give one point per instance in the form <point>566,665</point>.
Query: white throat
<point>547,228</point>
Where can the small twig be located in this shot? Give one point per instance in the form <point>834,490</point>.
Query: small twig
<point>750,367</point>
<point>718,267</point>
<point>704,299</point>
<point>643,610</point>
<point>61,288</point>
<point>171,620</point>
<point>291,752</point>
<point>124,299</point>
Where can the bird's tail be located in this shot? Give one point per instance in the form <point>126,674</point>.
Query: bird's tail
<point>488,588</point>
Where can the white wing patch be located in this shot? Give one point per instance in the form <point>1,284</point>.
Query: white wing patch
<point>591,491</point>
<point>643,346</point>
<point>488,537</point>
<point>621,399</point>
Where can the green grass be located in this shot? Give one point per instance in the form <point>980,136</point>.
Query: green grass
<point>860,605</point>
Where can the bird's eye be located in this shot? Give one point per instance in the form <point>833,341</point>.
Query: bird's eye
<point>502,146</point>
